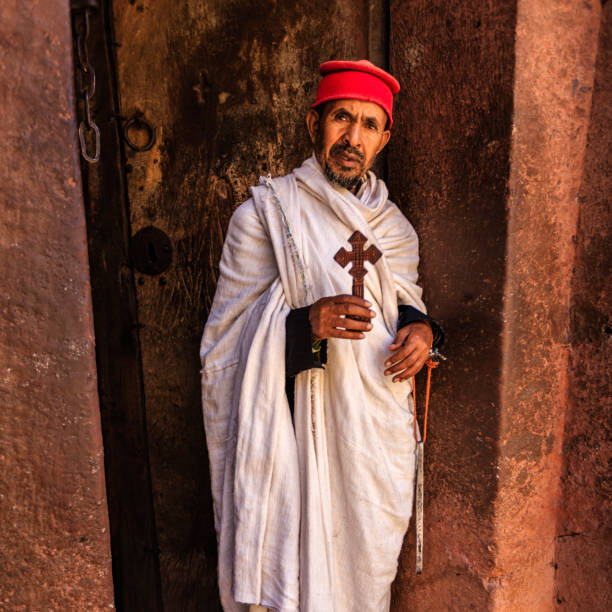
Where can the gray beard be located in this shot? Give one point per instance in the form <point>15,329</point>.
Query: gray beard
<point>348,182</point>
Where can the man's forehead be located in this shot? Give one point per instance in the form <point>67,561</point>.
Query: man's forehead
<point>368,109</point>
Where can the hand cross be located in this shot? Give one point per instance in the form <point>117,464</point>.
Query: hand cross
<point>358,256</point>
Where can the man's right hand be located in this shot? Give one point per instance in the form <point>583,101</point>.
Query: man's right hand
<point>328,317</point>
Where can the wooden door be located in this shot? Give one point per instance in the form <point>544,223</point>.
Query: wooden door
<point>208,95</point>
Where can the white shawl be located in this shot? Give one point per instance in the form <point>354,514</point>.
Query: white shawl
<point>310,519</point>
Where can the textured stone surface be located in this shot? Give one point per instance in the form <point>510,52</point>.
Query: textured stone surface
<point>448,169</point>
<point>556,47</point>
<point>519,439</point>
<point>583,545</point>
<point>54,543</point>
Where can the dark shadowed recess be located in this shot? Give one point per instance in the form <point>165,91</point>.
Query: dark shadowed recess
<point>448,170</point>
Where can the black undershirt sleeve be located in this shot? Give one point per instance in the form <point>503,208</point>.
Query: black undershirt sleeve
<point>409,314</point>
<point>299,355</point>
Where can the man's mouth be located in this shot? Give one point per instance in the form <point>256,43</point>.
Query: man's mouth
<point>347,158</point>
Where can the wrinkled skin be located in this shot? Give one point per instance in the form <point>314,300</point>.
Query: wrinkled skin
<point>347,137</point>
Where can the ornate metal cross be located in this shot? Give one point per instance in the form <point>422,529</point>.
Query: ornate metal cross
<point>358,256</point>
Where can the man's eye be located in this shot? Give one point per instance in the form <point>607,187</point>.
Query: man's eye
<point>371,126</point>
<point>342,116</point>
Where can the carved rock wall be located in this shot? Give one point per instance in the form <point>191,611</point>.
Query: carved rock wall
<point>449,162</point>
<point>583,544</point>
<point>500,160</point>
<point>54,540</point>
<point>556,48</point>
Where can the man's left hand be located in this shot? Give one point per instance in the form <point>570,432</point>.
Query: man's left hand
<point>410,351</point>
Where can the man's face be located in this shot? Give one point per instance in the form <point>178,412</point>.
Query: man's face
<point>347,138</point>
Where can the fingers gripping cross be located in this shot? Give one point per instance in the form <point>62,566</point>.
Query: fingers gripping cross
<point>358,256</point>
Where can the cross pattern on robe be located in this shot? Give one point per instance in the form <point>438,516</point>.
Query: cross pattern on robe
<point>358,256</point>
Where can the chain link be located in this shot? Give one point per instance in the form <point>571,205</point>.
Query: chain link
<point>86,82</point>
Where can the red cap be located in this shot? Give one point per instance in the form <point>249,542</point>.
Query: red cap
<point>359,80</point>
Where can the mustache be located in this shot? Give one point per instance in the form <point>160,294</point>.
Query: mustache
<point>347,148</point>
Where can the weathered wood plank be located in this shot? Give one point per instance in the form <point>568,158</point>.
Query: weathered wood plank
<point>130,504</point>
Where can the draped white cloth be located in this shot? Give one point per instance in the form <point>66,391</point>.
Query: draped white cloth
<point>310,518</point>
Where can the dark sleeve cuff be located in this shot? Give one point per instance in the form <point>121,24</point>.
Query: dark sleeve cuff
<point>299,355</point>
<point>409,314</point>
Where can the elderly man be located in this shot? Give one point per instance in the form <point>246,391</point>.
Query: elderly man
<point>306,384</point>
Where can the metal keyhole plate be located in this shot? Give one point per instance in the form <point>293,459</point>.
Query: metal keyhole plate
<point>151,251</point>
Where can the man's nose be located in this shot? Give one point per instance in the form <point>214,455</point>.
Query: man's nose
<point>353,134</point>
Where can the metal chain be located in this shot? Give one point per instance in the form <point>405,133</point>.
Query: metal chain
<point>86,81</point>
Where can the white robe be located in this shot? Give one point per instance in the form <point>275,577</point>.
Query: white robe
<point>310,519</point>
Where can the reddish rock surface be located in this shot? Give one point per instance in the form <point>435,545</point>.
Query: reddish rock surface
<point>54,548</point>
<point>556,45</point>
<point>583,545</point>
<point>518,485</point>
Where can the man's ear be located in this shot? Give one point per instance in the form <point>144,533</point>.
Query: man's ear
<point>312,123</point>
<point>384,139</point>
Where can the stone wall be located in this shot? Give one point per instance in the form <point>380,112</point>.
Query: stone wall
<point>583,542</point>
<point>556,47</point>
<point>54,547</point>
<point>499,158</point>
<point>449,163</point>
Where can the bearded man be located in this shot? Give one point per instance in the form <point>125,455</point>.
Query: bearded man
<point>306,388</point>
